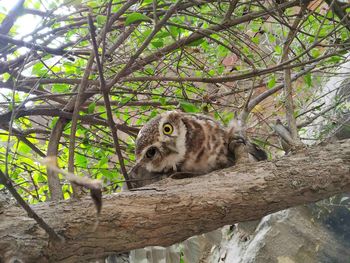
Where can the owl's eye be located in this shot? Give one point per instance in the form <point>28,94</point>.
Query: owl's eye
<point>168,129</point>
<point>151,152</point>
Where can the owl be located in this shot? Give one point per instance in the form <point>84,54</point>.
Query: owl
<point>183,142</point>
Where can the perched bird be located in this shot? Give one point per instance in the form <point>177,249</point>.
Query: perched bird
<point>183,142</point>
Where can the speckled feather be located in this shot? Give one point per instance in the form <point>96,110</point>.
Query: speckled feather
<point>197,144</point>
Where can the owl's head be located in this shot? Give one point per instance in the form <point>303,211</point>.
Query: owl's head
<point>160,147</point>
<point>160,144</point>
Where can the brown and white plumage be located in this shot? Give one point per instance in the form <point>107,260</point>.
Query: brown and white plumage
<point>181,142</point>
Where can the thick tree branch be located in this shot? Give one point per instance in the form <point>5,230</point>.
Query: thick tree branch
<point>54,112</point>
<point>21,43</point>
<point>173,210</point>
<point>4,179</point>
<point>340,12</point>
<point>9,20</point>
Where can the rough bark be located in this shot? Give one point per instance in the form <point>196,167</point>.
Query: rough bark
<point>175,209</point>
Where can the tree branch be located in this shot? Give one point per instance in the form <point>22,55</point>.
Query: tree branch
<point>288,88</point>
<point>21,43</point>
<point>173,210</point>
<point>4,179</point>
<point>9,20</point>
<point>78,101</point>
<point>54,112</point>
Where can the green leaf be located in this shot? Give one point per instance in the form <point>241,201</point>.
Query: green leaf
<point>108,174</point>
<point>81,160</point>
<point>69,68</point>
<point>256,26</point>
<point>133,17</point>
<point>174,31</point>
<point>315,53</point>
<point>60,88</point>
<point>188,107</point>
<point>39,178</point>
<point>101,20</point>
<point>92,4</point>
<point>212,72</point>
<point>24,148</point>
<point>163,101</point>
<point>272,38</point>
<point>162,34</point>
<point>146,2</point>
<point>334,59</point>
<point>103,162</point>
<point>256,40</point>
<point>196,43</point>
<point>91,108</point>
<point>53,122</point>
<point>38,69</point>
<point>308,79</point>
<point>157,43</point>
<point>6,76</point>
<point>278,50</point>
<point>272,82</point>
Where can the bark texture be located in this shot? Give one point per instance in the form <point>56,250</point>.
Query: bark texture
<point>175,209</point>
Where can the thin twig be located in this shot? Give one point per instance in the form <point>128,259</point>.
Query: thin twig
<point>104,32</point>
<point>321,113</point>
<point>288,89</point>
<point>104,90</point>
<point>78,101</point>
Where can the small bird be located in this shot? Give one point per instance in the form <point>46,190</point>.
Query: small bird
<point>183,142</point>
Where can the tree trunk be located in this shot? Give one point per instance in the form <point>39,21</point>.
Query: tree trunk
<point>175,209</point>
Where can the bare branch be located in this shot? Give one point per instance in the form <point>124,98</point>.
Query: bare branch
<point>288,89</point>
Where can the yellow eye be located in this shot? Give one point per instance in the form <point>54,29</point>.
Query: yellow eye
<point>168,129</point>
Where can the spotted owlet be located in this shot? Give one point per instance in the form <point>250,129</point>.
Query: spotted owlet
<point>182,142</point>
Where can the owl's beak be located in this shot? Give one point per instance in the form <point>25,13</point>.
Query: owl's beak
<point>171,146</point>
